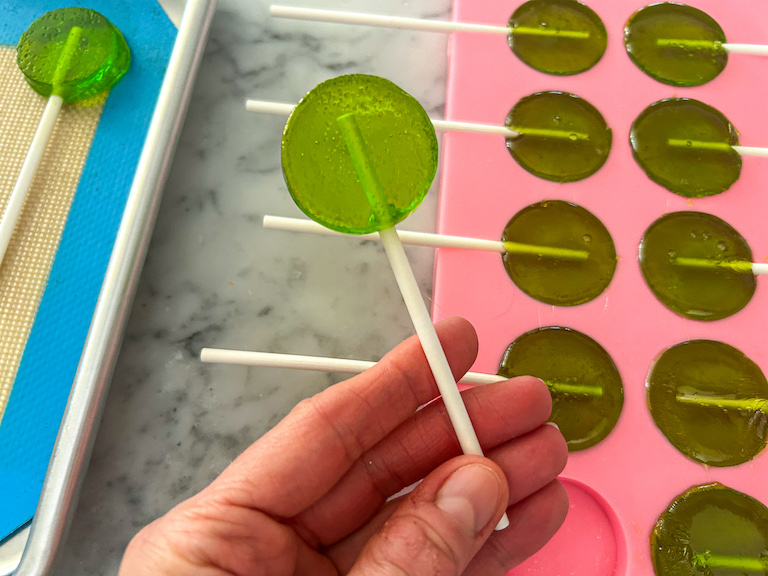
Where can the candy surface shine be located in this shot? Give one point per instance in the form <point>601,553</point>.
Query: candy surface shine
<point>562,137</point>
<point>675,44</point>
<point>711,530</point>
<point>98,59</point>
<point>710,434</point>
<point>400,142</point>
<point>560,281</point>
<point>696,292</point>
<point>686,146</point>
<point>573,366</point>
<point>560,37</point>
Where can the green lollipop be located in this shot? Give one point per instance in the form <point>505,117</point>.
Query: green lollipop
<point>68,55</point>
<point>320,173</point>
<point>74,53</point>
<point>359,155</point>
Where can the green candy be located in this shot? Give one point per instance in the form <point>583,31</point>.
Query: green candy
<point>586,388</point>
<point>561,137</point>
<point>561,37</point>
<point>697,265</point>
<point>553,280</point>
<point>400,143</point>
<point>684,387</point>
<point>74,53</point>
<point>711,530</point>
<point>687,147</point>
<point>675,44</point>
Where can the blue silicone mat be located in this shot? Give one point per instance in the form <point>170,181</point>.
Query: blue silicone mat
<point>38,398</point>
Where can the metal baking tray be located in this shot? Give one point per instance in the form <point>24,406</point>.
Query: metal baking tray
<point>32,551</point>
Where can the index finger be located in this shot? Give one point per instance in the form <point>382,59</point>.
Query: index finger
<point>299,460</point>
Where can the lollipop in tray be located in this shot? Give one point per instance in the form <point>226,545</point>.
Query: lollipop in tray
<point>66,55</point>
<point>560,37</point>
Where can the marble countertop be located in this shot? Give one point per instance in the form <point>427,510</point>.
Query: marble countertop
<point>215,277</point>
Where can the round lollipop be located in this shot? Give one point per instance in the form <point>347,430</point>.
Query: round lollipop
<point>680,45</point>
<point>710,401</point>
<point>561,37</point>
<point>697,265</point>
<point>541,120</point>
<point>67,55</point>
<point>587,394</point>
<point>560,281</point>
<point>556,252</point>
<point>711,530</point>
<point>359,154</point>
<point>686,146</point>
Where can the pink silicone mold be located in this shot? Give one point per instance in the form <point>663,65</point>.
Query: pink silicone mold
<point>619,487</point>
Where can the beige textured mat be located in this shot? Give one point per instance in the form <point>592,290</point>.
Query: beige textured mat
<point>27,263</point>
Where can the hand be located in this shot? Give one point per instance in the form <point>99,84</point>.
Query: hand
<point>311,496</point>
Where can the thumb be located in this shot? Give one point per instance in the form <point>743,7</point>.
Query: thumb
<point>441,525</point>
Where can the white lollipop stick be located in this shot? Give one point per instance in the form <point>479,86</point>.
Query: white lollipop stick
<point>39,143</point>
<point>754,49</point>
<point>344,366</point>
<point>409,289</point>
<point>401,23</point>
<point>717,147</point>
<point>283,109</point>
<point>735,265</point>
<point>432,240</point>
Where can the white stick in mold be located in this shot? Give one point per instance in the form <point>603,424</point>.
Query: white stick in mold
<point>419,24</point>
<point>345,366</point>
<point>731,48</point>
<point>717,147</point>
<point>742,266</point>
<point>284,109</point>
<point>433,240</point>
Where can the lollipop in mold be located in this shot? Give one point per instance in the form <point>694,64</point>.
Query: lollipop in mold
<point>359,155</point>
<point>66,55</point>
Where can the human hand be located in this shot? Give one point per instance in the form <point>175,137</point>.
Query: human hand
<point>311,496</point>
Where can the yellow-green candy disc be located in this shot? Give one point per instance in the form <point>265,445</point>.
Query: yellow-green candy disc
<point>697,265</point>
<point>711,530</point>
<point>554,279</point>
<point>560,37</point>
<point>675,44</point>
<point>561,137</point>
<point>706,398</point>
<point>587,394</point>
<point>317,166</point>
<point>687,147</point>
<point>96,58</point>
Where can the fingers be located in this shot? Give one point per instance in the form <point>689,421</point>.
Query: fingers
<point>439,527</point>
<point>500,412</point>
<point>529,463</point>
<point>339,424</point>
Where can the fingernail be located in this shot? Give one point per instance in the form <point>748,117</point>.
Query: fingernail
<point>470,496</point>
<point>555,426</point>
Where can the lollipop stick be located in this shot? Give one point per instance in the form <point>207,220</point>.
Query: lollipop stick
<point>433,240</point>
<point>345,366</point>
<point>282,109</point>
<point>409,289</point>
<point>745,404</point>
<point>398,22</point>
<point>735,265</point>
<point>754,49</point>
<point>39,143</point>
<point>717,147</point>
<point>736,563</point>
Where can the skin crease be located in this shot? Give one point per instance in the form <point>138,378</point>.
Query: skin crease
<point>310,496</point>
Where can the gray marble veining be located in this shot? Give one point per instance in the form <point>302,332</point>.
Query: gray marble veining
<point>214,277</point>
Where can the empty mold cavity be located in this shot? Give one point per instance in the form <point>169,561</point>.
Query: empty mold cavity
<point>589,543</point>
